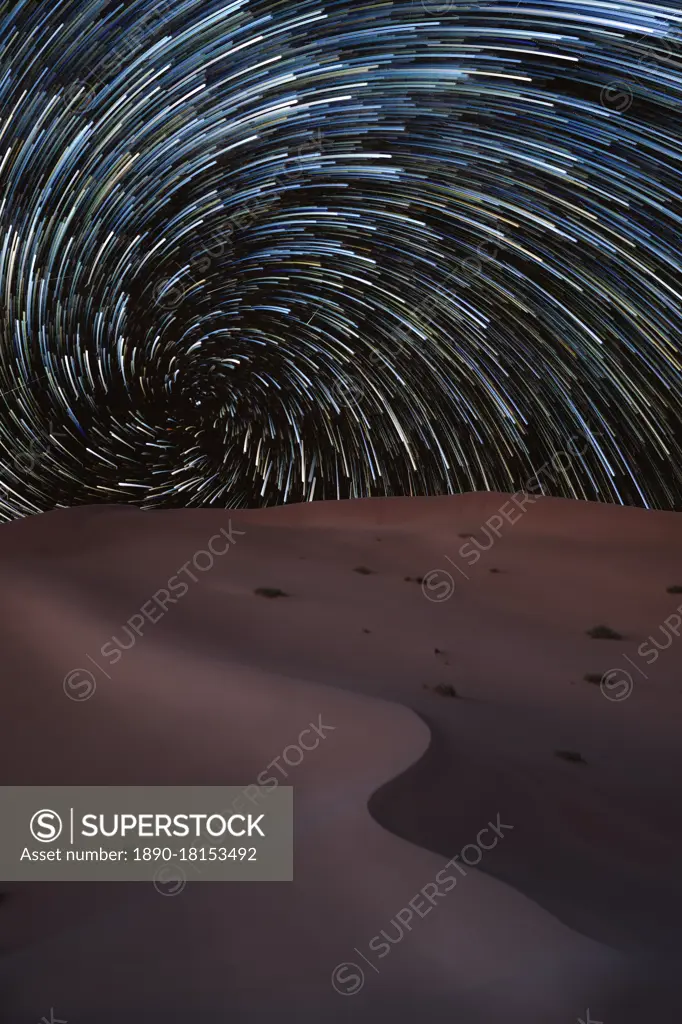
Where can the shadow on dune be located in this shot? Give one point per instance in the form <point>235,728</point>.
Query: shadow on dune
<point>442,802</point>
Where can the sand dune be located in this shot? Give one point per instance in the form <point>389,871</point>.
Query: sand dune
<point>577,907</point>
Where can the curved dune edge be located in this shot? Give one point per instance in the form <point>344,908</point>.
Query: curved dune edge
<point>375,742</point>
<point>484,951</point>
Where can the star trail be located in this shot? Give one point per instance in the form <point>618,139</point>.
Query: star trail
<point>263,251</point>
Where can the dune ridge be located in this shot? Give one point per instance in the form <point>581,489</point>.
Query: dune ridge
<point>577,907</point>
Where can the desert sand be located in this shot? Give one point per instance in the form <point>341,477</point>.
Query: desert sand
<point>575,913</point>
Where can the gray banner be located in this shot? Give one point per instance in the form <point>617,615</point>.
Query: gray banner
<point>168,835</point>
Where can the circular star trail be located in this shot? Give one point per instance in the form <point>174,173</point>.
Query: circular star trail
<point>262,251</point>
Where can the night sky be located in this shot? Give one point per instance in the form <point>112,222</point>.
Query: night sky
<point>259,251</point>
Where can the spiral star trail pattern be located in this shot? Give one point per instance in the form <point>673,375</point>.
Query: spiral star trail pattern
<point>259,251</point>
